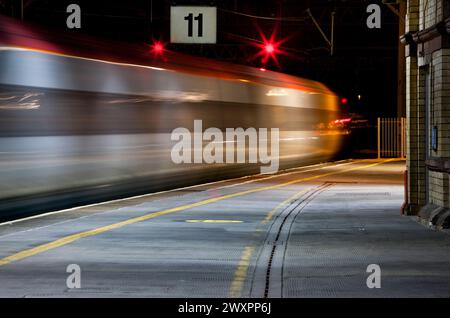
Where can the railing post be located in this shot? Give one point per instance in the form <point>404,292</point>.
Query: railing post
<point>402,129</point>
<point>379,138</point>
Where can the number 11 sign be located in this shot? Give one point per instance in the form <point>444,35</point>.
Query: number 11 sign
<point>193,24</point>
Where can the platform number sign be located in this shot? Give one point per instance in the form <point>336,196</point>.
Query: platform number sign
<point>193,24</point>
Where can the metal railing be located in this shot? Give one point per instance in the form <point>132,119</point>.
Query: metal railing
<point>391,137</point>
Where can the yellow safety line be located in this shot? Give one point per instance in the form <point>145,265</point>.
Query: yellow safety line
<point>241,271</point>
<point>271,213</point>
<point>74,237</point>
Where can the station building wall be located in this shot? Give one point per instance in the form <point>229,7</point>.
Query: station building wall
<point>427,53</point>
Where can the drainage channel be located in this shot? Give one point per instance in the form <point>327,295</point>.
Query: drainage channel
<point>267,276</point>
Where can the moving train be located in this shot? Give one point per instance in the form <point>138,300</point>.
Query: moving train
<point>84,120</point>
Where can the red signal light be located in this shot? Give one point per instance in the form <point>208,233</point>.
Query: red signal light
<point>157,48</point>
<point>344,101</point>
<point>269,48</point>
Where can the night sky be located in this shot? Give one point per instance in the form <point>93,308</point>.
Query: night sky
<point>364,62</point>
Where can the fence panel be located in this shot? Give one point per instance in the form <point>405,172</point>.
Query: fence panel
<point>391,137</point>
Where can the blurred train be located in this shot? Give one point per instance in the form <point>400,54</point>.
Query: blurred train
<point>83,120</point>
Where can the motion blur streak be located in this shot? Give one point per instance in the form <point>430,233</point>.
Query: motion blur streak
<point>80,129</point>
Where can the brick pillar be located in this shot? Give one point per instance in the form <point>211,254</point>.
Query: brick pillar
<point>415,118</point>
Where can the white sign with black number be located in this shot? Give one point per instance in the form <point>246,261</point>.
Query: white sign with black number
<point>193,24</point>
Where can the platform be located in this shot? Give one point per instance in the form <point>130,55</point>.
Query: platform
<point>305,232</point>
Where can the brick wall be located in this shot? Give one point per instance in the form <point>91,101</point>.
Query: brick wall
<point>430,13</point>
<point>440,117</point>
<point>421,15</point>
<point>439,188</point>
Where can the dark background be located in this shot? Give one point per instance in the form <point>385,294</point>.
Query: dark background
<point>364,62</point>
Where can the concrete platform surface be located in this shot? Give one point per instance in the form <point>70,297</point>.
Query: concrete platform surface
<point>306,232</point>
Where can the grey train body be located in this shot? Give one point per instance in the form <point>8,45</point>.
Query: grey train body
<point>77,130</point>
